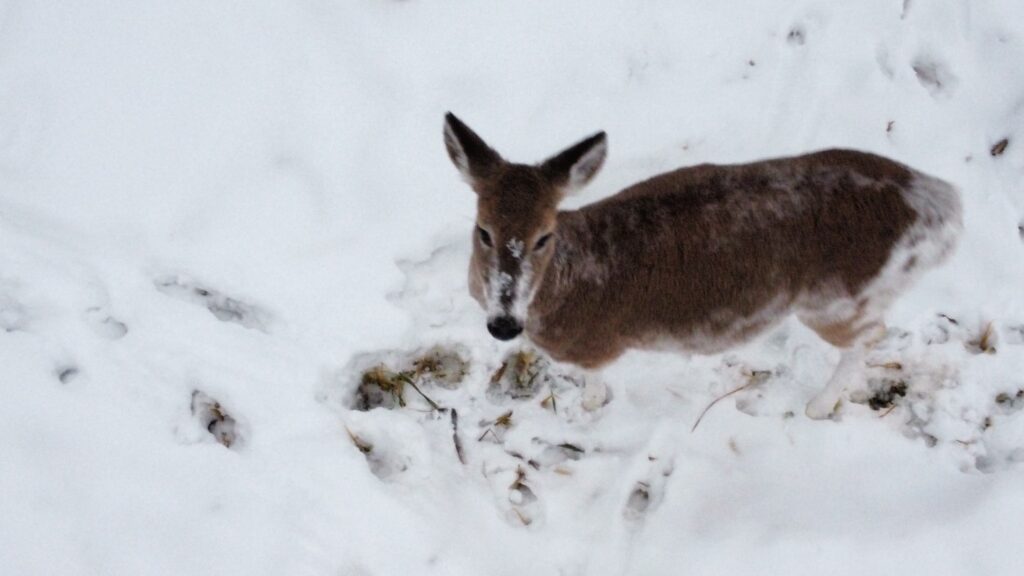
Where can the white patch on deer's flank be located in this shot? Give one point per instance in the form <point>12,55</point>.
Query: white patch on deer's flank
<point>925,244</point>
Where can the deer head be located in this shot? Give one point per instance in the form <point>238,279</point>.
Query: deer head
<point>516,223</point>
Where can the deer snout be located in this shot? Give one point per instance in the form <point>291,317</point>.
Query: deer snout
<point>504,327</point>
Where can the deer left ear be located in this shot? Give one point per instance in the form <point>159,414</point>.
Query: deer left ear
<point>572,168</point>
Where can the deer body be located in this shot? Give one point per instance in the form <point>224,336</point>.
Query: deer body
<point>703,258</point>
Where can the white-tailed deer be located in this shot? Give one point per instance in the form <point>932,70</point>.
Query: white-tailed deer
<point>701,258</point>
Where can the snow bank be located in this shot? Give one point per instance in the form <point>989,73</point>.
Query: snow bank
<point>248,200</point>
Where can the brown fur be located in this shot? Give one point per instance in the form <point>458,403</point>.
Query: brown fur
<point>684,259</point>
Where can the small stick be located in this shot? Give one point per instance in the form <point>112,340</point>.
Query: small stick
<point>455,436</point>
<point>886,413</point>
<point>716,401</point>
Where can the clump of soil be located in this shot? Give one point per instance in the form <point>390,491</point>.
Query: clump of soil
<point>887,394</point>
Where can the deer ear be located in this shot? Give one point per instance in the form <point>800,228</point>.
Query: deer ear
<point>572,168</point>
<point>470,154</point>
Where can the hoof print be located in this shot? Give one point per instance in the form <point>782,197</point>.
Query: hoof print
<point>941,330</point>
<point>525,507</point>
<point>212,416</point>
<point>934,76</point>
<point>67,373</point>
<point>384,460</point>
<point>796,36</point>
<point>520,376</point>
<point>13,317</point>
<point>105,325</point>
<point>386,383</point>
<point>223,307</point>
<point>523,374</point>
<point>648,493</point>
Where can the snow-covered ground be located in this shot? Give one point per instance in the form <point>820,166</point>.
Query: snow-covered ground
<point>214,216</point>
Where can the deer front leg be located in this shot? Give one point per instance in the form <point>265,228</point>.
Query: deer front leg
<point>850,368</point>
<point>594,393</point>
<point>854,338</point>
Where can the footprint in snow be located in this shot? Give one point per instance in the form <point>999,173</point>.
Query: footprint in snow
<point>223,307</point>
<point>524,506</point>
<point>934,75</point>
<point>215,419</point>
<point>13,317</point>
<point>649,490</point>
<point>67,373</point>
<point>105,325</point>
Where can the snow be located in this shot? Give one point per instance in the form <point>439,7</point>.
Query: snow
<point>253,201</point>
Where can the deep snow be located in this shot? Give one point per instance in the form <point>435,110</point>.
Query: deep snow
<point>252,200</point>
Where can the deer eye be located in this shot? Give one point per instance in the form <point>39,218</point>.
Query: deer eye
<point>542,242</point>
<point>485,237</point>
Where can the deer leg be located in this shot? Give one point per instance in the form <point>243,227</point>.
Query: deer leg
<point>854,338</point>
<point>851,364</point>
<point>594,393</point>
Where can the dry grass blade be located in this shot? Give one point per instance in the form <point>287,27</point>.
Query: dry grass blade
<point>552,400</point>
<point>363,446</point>
<point>717,400</point>
<point>406,378</point>
<point>504,420</point>
<point>887,365</point>
<point>986,341</point>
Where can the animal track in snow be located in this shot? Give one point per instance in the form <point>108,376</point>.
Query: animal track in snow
<point>431,293</point>
<point>934,75</point>
<point>12,315</point>
<point>223,307</point>
<point>525,506</point>
<point>215,419</point>
<point>105,325</point>
<point>393,379</point>
<point>648,491</point>
<point>67,373</point>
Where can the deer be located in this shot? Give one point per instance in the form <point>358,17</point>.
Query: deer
<point>703,258</point>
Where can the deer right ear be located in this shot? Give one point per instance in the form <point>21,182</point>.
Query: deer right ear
<point>470,154</point>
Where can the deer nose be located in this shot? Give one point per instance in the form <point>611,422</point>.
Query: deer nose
<point>504,328</point>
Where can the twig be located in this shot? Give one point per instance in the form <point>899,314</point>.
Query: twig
<point>455,436</point>
<point>716,401</point>
<point>886,413</point>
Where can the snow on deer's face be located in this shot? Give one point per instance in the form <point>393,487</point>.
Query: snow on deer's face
<point>517,209</point>
<point>512,246</point>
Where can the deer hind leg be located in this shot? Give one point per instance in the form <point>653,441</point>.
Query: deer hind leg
<point>853,336</point>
